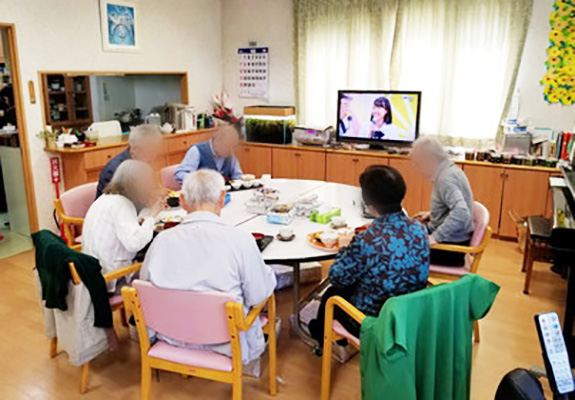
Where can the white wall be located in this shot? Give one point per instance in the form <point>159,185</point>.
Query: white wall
<point>175,35</point>
<point>531,71</point>
<point>269,23</point>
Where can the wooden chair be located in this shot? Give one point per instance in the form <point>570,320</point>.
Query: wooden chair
<point>71,208</point>
<point>479,241</point>
<point>334,332</point>
<point>200,318</point>
<point>167,178</point>
<point>537,246</point>
<point>116,304</point>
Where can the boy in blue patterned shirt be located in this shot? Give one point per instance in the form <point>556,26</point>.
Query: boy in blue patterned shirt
<point>390,258</point>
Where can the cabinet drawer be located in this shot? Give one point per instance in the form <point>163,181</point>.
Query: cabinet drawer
<point>180,145</point>
<point>99,158</point>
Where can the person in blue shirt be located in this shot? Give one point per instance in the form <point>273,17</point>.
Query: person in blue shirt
<point>216,153</point>
<point>144,144</point>
<point>390,258</point>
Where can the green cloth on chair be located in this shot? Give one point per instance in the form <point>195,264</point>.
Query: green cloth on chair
<point>420,345</point>
<point>52,262</point>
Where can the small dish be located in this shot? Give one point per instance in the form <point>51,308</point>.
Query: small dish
<point>236,185</point>
<point>247,184</point>
<point>282,239</point>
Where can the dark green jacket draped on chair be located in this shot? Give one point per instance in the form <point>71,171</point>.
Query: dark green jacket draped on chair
<point>420,345</point>
<point>52,259</point>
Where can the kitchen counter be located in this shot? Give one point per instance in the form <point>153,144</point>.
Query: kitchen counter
<point>122,141</point>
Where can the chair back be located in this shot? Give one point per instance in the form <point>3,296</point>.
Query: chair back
<point>107,128</point>
<point>191,317</point>
<point>76,201</point>
<point>480,222</point>
<point>167,178</point>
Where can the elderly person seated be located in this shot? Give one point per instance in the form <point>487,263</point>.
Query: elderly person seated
<point>144,144</point>
<point>450,219</point>
<point>112,231</point>
<point>216,153</point>
<point>204,254</point>
<point>388,259</point>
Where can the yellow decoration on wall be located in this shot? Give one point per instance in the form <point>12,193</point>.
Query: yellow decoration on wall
<point>559,81</point>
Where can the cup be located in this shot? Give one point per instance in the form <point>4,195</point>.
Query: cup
<point>286,233</point>
<point>338,221</point>
<point>266,179</point>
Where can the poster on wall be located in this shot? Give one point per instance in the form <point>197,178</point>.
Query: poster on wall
<point>119,21</point>
<point>253,72</point>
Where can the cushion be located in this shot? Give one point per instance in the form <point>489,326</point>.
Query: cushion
<point>192,357</point>
<point>340,330</point>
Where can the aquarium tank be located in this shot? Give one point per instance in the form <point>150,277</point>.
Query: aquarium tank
<point>269,124</point>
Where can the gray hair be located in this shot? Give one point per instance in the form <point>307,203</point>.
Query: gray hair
<point>203,187</point>
<point>128,174</point>
<point>143,134</point>
<point>430,146</point>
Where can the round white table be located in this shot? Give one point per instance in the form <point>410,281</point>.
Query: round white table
<point>297,251</point>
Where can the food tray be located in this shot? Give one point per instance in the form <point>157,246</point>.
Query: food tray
<point>315,242</point>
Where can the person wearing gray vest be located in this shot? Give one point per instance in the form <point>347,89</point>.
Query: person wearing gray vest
<point>450,219</point>
<point>216,154</point>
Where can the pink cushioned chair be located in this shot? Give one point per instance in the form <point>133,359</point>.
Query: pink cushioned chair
<point>199,318</point>
<point>71,208</point>
<point>167,178</point>
<point>473,252</point>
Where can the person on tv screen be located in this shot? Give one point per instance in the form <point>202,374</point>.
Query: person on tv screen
<point>348,124</point>
<point>380,126</point>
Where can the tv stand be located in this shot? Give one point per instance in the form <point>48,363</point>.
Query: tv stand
<point>377,146</point>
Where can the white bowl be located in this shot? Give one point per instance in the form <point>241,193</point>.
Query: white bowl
<point>236,185</point>
<point>247,184</point>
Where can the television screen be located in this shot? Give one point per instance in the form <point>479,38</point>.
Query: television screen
<point>381,116</point>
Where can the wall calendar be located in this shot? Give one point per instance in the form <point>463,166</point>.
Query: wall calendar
<point>253,72</point>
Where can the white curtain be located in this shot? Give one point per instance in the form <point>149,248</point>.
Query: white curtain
<point>461,54</point>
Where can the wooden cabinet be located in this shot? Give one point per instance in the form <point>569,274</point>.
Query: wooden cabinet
<point>298,164</point>
<point>176,147</point>
<point>525,192</point>
<point>67,100</point>
<point>413,183</point>
<point>256,160</point>
<point>346,168</point>
<point>84,165</point>
<point>487,185</point>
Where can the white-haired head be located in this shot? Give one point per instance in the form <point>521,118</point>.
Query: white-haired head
<point>134,180</point>
<point>145,142</point>
<point>203,190</point>
<point>430,147</point>
<point>427,154</point>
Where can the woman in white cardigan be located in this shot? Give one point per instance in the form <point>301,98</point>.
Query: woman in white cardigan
<point>113,232</point>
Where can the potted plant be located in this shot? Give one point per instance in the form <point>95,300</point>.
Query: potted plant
<point>49,136</point>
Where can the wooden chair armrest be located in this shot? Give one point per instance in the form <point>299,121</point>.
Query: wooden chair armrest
<point>346,306</point>
<point>245,323</point>
<point>120,273</point>
<point>74,273</point>
<point>72,220</point>
<point>465,249</point>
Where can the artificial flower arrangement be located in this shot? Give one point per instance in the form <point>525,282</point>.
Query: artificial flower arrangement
<point>559,81</point>
<point>223,109</point>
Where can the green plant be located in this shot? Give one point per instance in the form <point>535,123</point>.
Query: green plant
<point>48,134</point>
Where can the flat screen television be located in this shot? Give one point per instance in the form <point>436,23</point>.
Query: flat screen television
<point>378,117</point>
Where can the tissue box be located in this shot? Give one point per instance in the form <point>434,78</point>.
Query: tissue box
<point>324,218</point>
<point>281,218</point>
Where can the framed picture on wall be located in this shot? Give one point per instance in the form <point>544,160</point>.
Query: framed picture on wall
<point>119,21</point>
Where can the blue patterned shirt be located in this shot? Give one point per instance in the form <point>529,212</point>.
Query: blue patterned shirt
<point>388,259</point>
